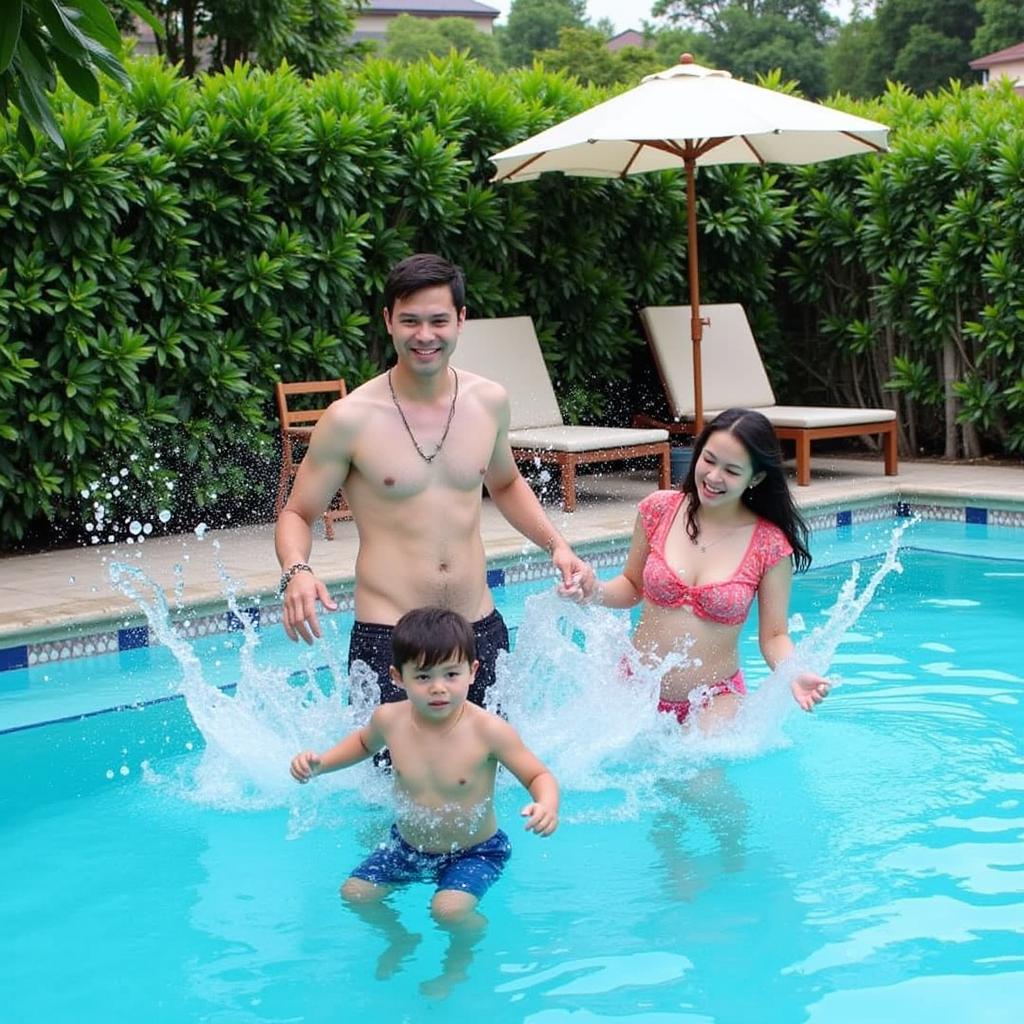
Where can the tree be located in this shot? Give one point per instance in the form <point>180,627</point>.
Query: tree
<point>583,52</point>
<point>711,14</point>
<point>39,39</point>
<point>410,39</point>
<point>312,35</point>
<point>946,25</point>
<point>534,25</point>
<point>1002,25</point>
<point>849,61</point>
<point>749,45</point>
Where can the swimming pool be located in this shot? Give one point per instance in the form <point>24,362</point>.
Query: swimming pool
<point>866,867</point>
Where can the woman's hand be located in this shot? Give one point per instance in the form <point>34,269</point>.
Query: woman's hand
<point>809,689</point>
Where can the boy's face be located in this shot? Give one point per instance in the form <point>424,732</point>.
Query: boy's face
<point>436,691</point>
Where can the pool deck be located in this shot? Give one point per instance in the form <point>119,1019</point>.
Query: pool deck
<point>45,593</point>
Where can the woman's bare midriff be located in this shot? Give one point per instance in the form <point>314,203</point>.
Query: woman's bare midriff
<point>663,631</point>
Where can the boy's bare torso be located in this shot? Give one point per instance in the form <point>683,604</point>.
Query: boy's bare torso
<point>444,779</point>
<point>418,521</point>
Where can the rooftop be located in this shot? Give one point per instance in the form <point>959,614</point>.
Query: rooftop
<point>1011,53</point>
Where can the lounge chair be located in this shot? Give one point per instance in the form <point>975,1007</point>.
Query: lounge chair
<point>296,427</point>
<point>734,375</point>
<point>507,351</point>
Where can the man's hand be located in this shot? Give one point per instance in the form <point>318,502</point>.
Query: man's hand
<point>578,579</point>
<point>300,598</point>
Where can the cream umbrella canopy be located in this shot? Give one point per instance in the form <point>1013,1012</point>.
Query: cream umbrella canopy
<point>689,116</point>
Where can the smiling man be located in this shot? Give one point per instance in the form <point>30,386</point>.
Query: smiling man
<point>413,448</point>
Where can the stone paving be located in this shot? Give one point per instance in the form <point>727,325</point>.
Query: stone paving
<point>42,593</point>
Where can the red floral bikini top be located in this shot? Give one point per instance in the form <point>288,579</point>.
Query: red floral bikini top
<point>727,602</point>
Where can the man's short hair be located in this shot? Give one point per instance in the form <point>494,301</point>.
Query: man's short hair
<point>424,270</point>
<point>429,636</point>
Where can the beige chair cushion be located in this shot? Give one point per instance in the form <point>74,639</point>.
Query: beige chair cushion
<point>584,439</point>
<point>732,371</point>
<point>506,350</point>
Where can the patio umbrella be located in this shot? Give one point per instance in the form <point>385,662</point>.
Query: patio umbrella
<point>689,116</point>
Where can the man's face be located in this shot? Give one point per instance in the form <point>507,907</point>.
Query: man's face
<point>424,327</point>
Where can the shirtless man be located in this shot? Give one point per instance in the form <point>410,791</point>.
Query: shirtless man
<point>412,448</point>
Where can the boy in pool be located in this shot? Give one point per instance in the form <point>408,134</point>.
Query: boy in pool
<point>445,753</point>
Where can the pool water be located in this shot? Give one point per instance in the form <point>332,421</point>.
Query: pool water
<point>865,865</point>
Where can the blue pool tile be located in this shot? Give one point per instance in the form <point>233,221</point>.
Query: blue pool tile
<point>495,577</point>
<point>132,638</point>
<point>976,515</point>
<point>13,657</point>
<point>844,518</point>
<point>234,623</point>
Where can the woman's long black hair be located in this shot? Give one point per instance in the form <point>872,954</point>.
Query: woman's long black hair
<point>771,498</point>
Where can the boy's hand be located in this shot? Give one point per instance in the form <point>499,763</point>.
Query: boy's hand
<point>809,689</point>
<point>304,766</point>
<point>540,818</point>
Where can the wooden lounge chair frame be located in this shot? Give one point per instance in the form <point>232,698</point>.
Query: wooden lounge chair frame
<point>296,429</point>
<point>506,349</point>
<point>734,375</point>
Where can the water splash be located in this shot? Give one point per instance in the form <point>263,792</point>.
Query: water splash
<point>564,687</point>
<point>250,736</point>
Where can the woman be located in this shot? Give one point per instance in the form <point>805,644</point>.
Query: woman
<point>698,557</point>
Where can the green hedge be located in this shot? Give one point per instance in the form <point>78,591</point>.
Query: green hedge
<point>908,271</point>
<point>199,240</point>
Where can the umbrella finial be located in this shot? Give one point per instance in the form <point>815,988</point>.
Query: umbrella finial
<point>686,58</point>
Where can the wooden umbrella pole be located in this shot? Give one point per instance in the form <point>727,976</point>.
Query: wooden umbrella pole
<point>696,323</point>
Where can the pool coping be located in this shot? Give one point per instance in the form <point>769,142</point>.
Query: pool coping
<point>105,633</point>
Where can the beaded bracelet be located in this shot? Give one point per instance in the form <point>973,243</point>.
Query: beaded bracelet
<point>291,571</point>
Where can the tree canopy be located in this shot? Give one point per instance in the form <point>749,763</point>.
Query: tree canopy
<point>534,25</point>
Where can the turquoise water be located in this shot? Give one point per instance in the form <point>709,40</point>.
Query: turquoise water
<point>860,864</point>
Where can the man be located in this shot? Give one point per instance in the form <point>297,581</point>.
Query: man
<point>412,448</point>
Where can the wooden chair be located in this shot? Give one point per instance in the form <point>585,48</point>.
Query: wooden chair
<point>296,428</point>
<point>506,350</point>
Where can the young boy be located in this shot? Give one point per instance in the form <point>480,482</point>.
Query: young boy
<point>445,753</point>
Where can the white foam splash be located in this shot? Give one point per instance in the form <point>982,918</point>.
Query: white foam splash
<point>563,687</point>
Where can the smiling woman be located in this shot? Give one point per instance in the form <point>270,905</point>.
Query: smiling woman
<point>698,558</point>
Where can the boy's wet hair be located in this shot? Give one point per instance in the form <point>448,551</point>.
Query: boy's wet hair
<point>423,270</point>
<point>429,636</point>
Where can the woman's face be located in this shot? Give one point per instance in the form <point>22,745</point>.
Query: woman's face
<point>723,471</point>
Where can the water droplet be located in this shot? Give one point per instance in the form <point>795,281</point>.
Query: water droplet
<point>124,769</point>
<point>89,527</point>
<point>147,528</point>
<point>115,479</point>
<point>124,471</point>
<point>188,746</point>
<point>71,579</point>
<point>200,530</point>
<point>135,527</point>
<point>110,539</point>
<point>164,515</point>
<point>545,476</point>
<point>110,773</point>
<point>85,492</point>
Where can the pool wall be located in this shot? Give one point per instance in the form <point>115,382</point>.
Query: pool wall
<point>265,609</point>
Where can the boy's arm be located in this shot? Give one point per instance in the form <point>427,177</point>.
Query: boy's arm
<point>355,747</point>
<point>508,748</point>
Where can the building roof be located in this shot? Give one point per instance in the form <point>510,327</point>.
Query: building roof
<point>631,37</point>
<point>455,8</point>
<point>1011,53</point>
